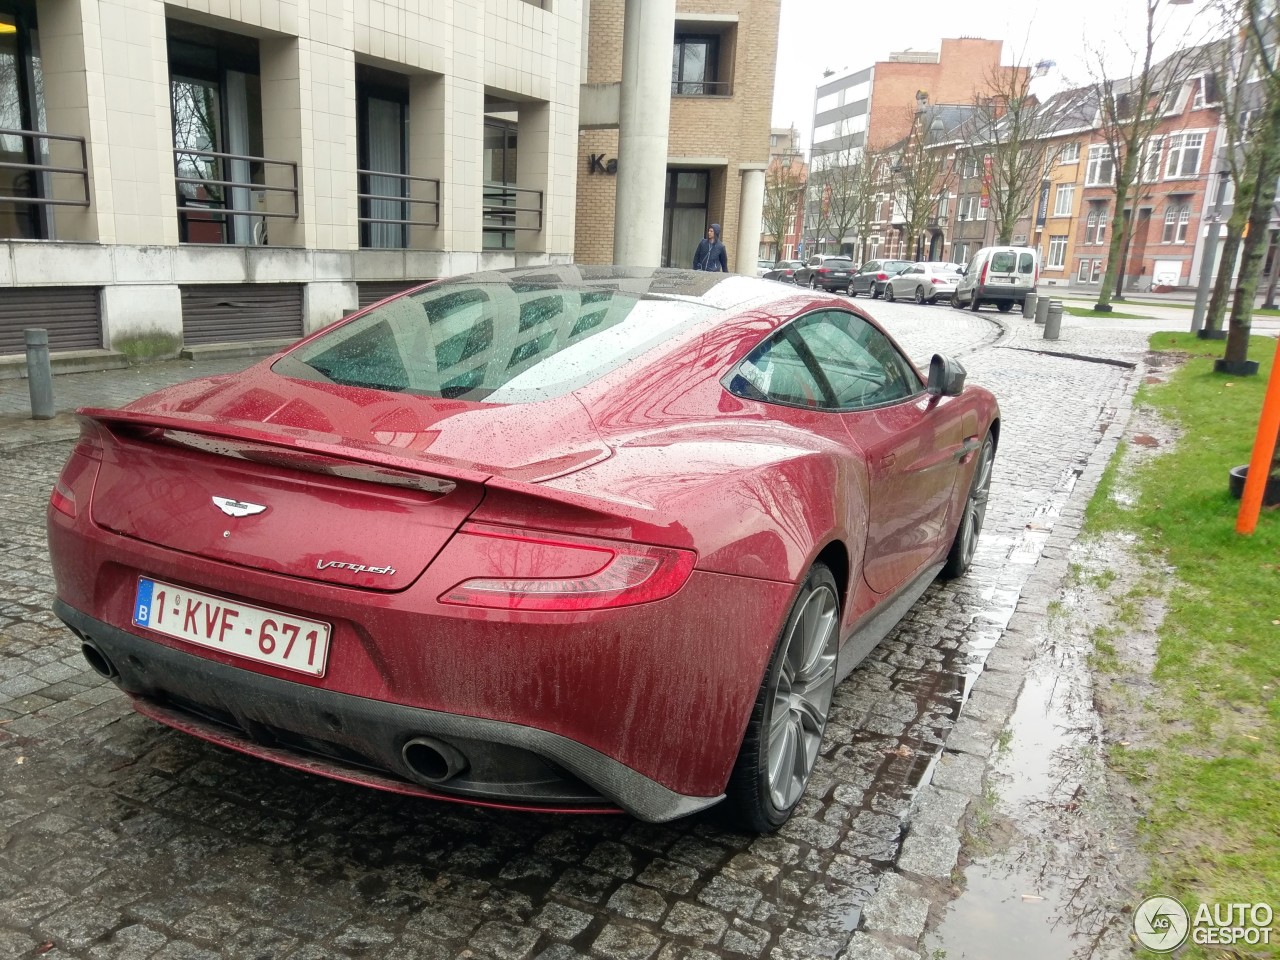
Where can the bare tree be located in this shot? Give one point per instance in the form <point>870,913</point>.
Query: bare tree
<point>783,198</point>
<point>1260,19</point>
<point>1009,126</point>
<point>923,169</point>
<point>1129,111</point>
<point>850,176</point>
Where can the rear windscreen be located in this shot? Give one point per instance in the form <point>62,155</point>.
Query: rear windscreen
<point>1004,261</point>
<point>1026,263</point>
<point>495,343</point>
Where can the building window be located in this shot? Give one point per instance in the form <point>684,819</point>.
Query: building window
<point>1184,155</point>
<point>1082,275</point>
<point>382,149</point>
<point>970,167</point>
<point>216,103</point>
<point>1096,275</point>
<point>1101,170</point>
<point>1070,153</point>
<point>1149,164</point>
<point>1100,232</point>
<point>1063,199</point>
<point>1177,217</point>
<point>960,253</point>
<point>1057,252</point>
<point>23,186</point>
<point>694,62</point>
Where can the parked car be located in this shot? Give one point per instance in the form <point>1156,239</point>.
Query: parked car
<point>871,277</point>
<point>763,266</point>
<point>515,538</point>
<point>784,270</point>
<point>923,282</point>
<point>825,271</point>
<point>1000,275</point>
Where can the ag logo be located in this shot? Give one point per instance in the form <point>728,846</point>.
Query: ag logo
<point>1161,924</point>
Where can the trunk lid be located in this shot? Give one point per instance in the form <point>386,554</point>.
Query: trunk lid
<point>316,482</point>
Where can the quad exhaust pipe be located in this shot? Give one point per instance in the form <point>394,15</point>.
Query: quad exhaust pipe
<point>432,761</point>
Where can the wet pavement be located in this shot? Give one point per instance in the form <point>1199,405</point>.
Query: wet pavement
<point>122,839</point>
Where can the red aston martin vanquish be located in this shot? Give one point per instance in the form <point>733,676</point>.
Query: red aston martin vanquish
<point>567,538</point>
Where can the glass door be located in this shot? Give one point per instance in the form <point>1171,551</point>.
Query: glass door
<point>685,221</point>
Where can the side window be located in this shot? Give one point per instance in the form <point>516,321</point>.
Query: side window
<point>871,266</point>
<point>775,372</point>
<point>815,261</point>
<point>863,368</point>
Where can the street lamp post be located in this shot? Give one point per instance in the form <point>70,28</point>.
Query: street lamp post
<point>1206,264</point>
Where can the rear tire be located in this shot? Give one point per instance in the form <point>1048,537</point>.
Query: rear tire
<point>920,297</point>
<point>874,292</point>
<point>974,512</point>
<point>975,303</point>
<point>784,734</point>
<point>813,282</point>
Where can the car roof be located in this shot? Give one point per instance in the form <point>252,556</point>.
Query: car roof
<point>721,291</point>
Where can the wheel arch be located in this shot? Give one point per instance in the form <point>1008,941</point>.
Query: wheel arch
<point>835,555</point>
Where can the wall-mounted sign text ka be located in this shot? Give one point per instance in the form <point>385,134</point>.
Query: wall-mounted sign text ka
<point>596,163</point>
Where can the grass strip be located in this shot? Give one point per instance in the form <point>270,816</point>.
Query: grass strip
<point>1213,779</point>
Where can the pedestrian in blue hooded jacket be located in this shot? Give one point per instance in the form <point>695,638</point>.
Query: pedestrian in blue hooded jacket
<point>711,254</point>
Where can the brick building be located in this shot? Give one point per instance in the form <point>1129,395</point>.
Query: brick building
<point>874,107</point>
<point>723,59</point>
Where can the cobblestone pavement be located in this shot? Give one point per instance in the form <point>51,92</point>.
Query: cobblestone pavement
<point>122,839</point>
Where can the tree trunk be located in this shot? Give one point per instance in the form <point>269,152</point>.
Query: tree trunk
<point>1115,251</point>
<point>1226,269</point>
<point>1255,244</point>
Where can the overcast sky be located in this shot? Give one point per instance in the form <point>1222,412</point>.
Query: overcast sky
<point>815,35</point>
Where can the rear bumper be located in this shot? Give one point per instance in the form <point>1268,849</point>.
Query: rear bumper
<point>995,294</point>
<point>836,283</point>
<point>361,740</point>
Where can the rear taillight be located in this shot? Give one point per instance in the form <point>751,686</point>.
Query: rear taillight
<point>982,277</point>
<point>882,276</point>
<point>515,569</point>
<point>824,270</point>
<point>63,499</point>
<point>1035,276</point>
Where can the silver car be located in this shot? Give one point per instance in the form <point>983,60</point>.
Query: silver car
<point>924,282</point>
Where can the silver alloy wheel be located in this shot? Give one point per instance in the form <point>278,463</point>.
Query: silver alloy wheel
<point>920,298</point>
<point>800,698</point>
<point>813,282</point>
<point>975,507</point>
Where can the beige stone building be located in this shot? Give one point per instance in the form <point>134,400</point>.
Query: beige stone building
<point>201,171</point>
<point>718,136</point>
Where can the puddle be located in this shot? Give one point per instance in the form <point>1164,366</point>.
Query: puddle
<point>1050,853</point>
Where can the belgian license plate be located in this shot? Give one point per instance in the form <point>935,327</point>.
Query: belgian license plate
<point>839,273</point>
<point>240,629</point>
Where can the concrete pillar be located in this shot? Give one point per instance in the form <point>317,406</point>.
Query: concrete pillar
<point>533,165</point>
<point>282,139</point>
<point>427,142</point>
<point>648,33</point>
<point>750,214</point>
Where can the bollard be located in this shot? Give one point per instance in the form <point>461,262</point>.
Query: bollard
<point>1053,321</point>
<point>1029,306</point>
<point>1042,309</point>
<point>39,374</point>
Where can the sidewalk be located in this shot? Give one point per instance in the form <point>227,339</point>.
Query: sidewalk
<point>103,388</point>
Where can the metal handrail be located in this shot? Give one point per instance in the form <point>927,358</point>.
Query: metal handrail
<point>701,88</point>
<point>185,209</point>
<point>81,171</point>
<point>405,181</point>
<point>508,210</point>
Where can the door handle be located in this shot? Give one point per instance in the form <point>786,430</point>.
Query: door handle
<point>888,460</point>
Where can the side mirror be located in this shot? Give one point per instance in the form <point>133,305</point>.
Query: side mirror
<point>946,377</point>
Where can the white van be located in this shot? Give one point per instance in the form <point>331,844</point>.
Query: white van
<point>1000,275</point>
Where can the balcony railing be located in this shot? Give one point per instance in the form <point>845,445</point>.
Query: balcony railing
<point>369,192</point>
<point>701,88</point>
<point>41,145</point>
<point>503,209</point>
<point>213,186</point>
